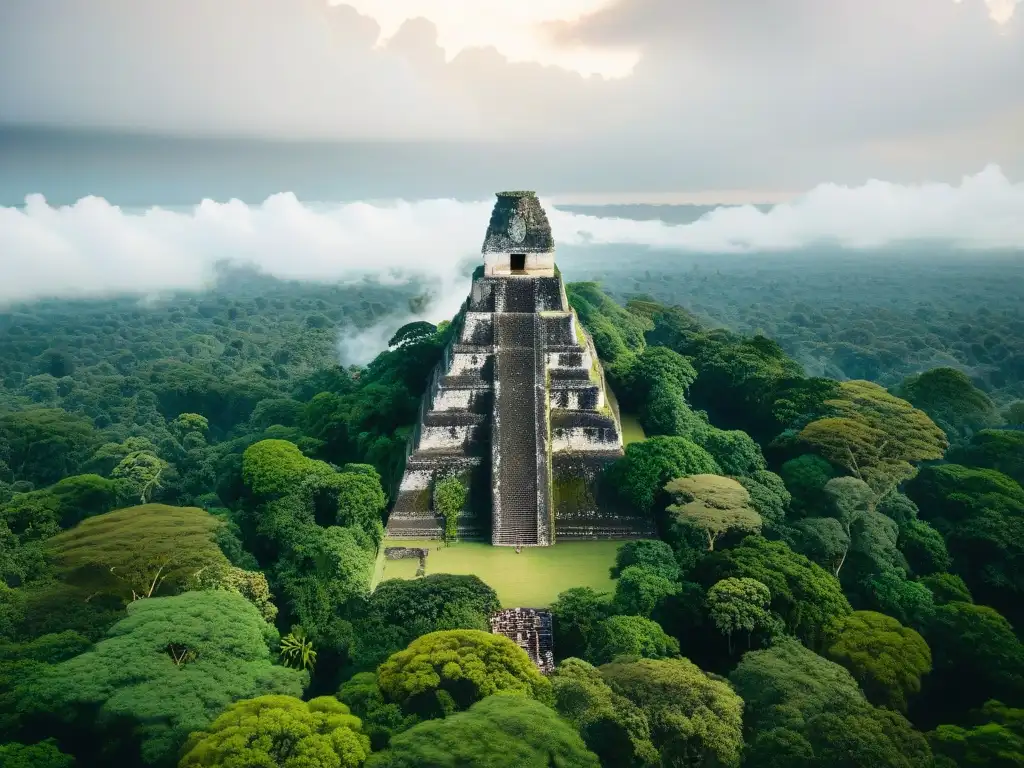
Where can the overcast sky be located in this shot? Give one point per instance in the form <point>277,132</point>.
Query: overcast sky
<point>767,94</point>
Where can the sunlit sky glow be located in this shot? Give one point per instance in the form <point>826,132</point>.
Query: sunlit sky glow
<point>515,28</point>
<point>592,96</point>
<point>1001,11</point>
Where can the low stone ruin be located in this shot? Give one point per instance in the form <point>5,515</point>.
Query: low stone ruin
<point>403,553</point>
<point>530,629</point>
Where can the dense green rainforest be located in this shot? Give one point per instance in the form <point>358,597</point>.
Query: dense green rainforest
<point>193,492</point>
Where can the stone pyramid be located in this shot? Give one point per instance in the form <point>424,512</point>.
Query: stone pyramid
<point>517,409</point>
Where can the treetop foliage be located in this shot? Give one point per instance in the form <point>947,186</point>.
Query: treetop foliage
<point>499,730</point>
<point>816,707</point>
<point>618,334</point>
<point>228,416</point>
<point>648,465</point>
<point>412,332</point>
<point>887,659</point>
<point>694,718</point>
<point>652,554</point>
<point>398,611</point>
<point>950,398</point>
<point>139,551</point>
<point>276,467</point>
<point>998,449</point>
<point>612,726</point>
<point>803,595</point>
<point>170,667</point>
<point>447,671</point>
<point>630,636</point>
<point>280,730</point>
<point>714,504</point>
<point>45,754</point>
<point>874,435</point>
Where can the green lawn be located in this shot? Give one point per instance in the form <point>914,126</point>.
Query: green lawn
<point>531,579</point>
<point>632,432</point>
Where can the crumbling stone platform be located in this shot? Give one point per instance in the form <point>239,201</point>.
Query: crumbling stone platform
<point>531,630</point>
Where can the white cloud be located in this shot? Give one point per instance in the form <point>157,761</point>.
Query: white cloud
<point>1000,11</point>
<point>94,248</point>
<point>984,211</point>
<point>516,30</point>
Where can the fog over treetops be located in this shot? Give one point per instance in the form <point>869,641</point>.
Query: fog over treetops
<point>93,248</point>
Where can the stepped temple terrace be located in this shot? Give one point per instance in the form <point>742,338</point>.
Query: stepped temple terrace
<point>518,409</point>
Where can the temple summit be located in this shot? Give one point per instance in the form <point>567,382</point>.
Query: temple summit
<point>518,407</point>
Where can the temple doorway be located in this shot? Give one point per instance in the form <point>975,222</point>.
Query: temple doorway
<point>518,262</point>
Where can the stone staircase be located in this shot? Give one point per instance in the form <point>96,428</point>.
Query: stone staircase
<point>516,494</point>
<point>520,295</point>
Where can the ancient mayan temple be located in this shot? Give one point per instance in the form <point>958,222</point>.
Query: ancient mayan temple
<point>518,406</point>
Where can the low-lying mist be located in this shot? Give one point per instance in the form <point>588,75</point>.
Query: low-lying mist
<point>93,248</point>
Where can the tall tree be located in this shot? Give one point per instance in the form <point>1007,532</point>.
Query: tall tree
<point>739,604</point>
<point>980,512</point>
<point>447,671</point>
<point>695,719</point>
<point>952,401</point>
<point>45,444</point>
<point>641,474</point>
<point>640,590</point>
<point>166,670</point>
<point>802,710</point>
<point>653,554</point>
<point>399,611</point>
<point>805,478</point>
<point>886,658</point>
<point>138,476</point>
<point>998,449</point>
<point>505,730</point>
<point>803,595</point>
<point>714,504</point>
<point>612,726</point>
<point>138,552</point>
<point>976,656</point>
<point>850,500</point>
<point>321,575</point>
<point>875,436</point>
<point>276,467</point>
<point>280,731</point>
<point>449,499</point>
<point>632,636</point>
<point>575,615</point>
<point>45,754</point>
<point>994,738</point>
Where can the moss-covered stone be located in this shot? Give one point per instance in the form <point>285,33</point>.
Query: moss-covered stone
<point>573,496</point>
<point>525,206</point>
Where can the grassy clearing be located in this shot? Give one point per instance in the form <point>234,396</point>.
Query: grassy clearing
<point>531,579</point>
<point>378,569</point>
<point>632,432</point>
